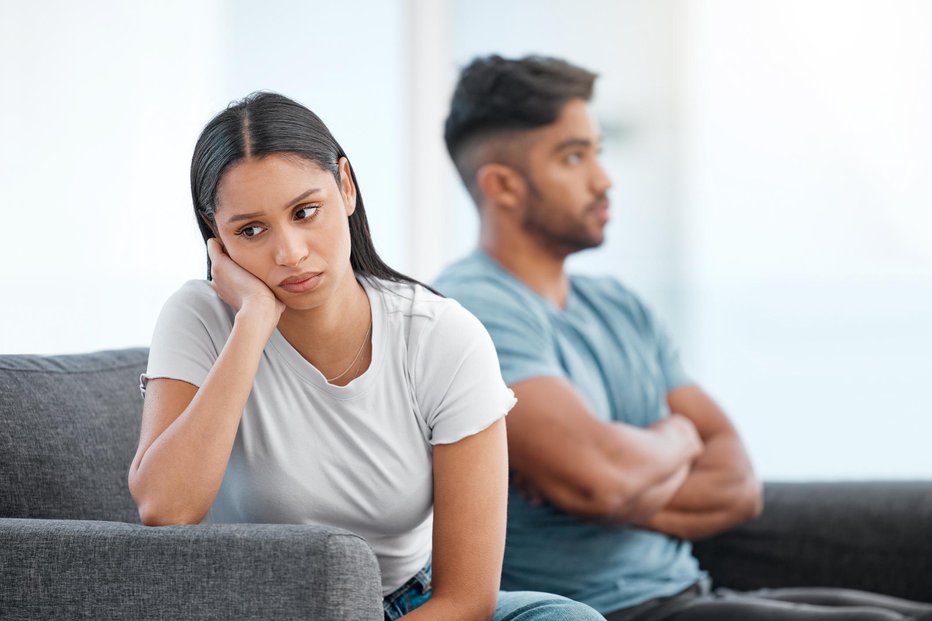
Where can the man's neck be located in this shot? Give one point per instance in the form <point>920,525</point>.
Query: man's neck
<point>539,269</point>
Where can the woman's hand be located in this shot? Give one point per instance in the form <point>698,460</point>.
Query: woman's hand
<point>236,286</point>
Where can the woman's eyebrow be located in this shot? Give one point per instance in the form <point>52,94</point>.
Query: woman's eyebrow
<point>255,214</point>
<point>301,197</point>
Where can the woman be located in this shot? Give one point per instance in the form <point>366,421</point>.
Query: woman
<point>308,382</point>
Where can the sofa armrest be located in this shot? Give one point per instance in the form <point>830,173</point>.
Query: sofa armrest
<point>875,536</point>
<point>68,569</point>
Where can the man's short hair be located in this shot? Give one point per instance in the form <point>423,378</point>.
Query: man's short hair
<point>497,96</point>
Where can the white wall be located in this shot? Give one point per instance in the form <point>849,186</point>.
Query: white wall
<point>770,158</point>
<point>807,219</point>
<point>772,202</point>
<point>103,102</point>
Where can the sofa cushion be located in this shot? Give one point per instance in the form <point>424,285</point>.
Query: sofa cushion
<point>69,426</point>
<point>868,535</point>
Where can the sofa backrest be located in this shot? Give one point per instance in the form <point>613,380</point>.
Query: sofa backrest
<point>69,426</point>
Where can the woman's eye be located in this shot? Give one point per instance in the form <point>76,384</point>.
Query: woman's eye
<point>305,213</point>
<point>249,231</point>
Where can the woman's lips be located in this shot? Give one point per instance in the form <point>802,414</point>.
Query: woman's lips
<point>302,283</point>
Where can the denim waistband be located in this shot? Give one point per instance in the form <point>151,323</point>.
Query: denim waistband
<point>418,584</point>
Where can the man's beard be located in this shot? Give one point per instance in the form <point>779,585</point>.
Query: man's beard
<point>559,232</point>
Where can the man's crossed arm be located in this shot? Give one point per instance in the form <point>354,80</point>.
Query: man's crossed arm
<point>687,475</point>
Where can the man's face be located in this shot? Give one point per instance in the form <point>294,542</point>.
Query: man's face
<point>567,201</point>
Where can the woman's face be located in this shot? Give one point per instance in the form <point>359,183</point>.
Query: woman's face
<point>285,220</point>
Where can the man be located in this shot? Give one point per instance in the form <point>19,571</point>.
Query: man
<point>618,458</point>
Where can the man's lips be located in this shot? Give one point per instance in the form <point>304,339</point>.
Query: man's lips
<point>600,209</point>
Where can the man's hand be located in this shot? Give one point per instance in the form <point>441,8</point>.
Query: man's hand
<point>721,490</point>
<point>530,492</point>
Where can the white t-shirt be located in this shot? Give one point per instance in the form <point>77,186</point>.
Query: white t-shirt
<point>357,456</point>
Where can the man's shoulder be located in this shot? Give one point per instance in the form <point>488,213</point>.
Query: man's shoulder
<point>471,269</point>
<point>419,313</point>
<point>477,282</point>
<point>607,290</point>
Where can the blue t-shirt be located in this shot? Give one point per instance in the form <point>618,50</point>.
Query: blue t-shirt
<point>610,347</point>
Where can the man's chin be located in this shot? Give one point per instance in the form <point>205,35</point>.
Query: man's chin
<point>592,241</point>
<point>578,245</point>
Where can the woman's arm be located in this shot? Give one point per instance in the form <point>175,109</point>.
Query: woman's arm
<point>187,432</point>
<point>470,498</point>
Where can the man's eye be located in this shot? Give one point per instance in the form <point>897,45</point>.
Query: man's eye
<point>574,158</point>
<point>249,231</point>
<point>305,213</point>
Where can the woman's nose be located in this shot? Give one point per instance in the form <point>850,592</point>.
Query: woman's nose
<point>292,249</point>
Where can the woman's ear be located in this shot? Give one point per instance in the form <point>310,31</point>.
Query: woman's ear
<point>501,185</point>
<point>347,187</point>
<point>210,225</point>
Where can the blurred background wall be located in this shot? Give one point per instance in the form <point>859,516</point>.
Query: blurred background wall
<point>771,160</point>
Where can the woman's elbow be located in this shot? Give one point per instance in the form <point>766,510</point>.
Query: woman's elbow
<point>155,509</point>
<point>153,512</point>
<point>753,499</point>
<point>157,516</point>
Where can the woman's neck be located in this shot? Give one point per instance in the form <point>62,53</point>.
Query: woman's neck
<point>331,336</point>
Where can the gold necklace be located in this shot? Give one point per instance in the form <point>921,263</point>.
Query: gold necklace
<point>365,340</point>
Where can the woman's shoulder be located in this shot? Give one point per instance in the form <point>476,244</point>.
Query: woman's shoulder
<point>197,301</point>
<point>423,316</point>
<point>196,289</point>
<point>416,302</point>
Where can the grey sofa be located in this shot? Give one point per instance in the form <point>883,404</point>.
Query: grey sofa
<point>71,545</point>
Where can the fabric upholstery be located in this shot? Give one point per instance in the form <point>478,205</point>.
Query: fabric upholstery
<point>68,431</point>
<point>72,569</point>
<point>69,426</point>
<point>875,536</point>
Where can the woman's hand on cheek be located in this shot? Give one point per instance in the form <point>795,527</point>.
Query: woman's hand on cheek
<point>236,286</point>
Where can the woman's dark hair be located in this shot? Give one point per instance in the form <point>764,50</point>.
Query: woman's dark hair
<point>261,124</point>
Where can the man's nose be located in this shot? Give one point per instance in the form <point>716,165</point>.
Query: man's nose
<point>601,182</point>
<point>292,249</point>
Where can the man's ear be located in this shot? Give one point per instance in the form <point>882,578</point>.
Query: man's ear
<point>347,187</point>
<point>501,185</point>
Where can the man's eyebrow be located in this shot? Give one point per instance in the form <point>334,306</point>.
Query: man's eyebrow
<point>255,214</point>
<point>576,142</point>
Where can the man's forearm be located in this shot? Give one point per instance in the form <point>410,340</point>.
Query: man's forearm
<point>655,467</point>
<point>655,498</point>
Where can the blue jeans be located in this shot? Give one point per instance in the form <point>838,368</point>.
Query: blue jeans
<point>511,605</point>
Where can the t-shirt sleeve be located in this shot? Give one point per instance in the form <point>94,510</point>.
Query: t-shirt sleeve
<point>183,343</point>
<point>669,356</point>
<point>524,341</point>
<point>667,352</point>
<point>460,390</point>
